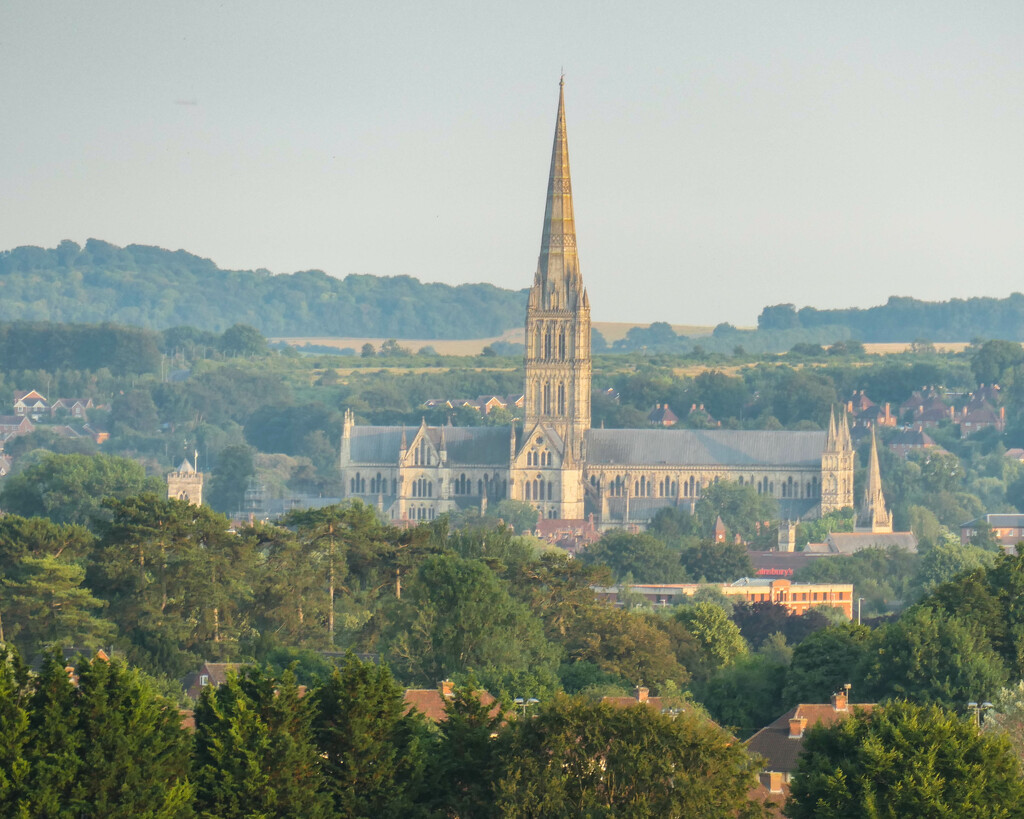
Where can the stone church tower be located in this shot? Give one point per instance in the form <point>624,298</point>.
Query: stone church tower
<point>558,315</point>
<point>837,466</point>
<point>186,483</point>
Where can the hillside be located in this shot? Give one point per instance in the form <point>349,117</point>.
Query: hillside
<point>155,288</point>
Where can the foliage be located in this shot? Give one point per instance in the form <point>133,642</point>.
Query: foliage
<point>577,758</point>
<point>718,637</point>
<point>157,288</point>
<point>372,755</point>
<point>641,556</point>
<point>254,751</point>
<point>905,760</point>
<point>825,662</point>
<point>71,488</point>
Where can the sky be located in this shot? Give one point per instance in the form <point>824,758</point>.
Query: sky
<point>725,155</point>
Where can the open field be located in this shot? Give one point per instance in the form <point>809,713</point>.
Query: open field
<point>444,346</point>
<point>614,330</point>
<point>902,347</point>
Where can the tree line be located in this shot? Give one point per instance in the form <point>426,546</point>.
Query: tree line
<point>156,289</point>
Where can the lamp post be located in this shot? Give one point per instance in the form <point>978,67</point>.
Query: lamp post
<point>977,709</point>
<point>525,703</point>
<point>859,601</point>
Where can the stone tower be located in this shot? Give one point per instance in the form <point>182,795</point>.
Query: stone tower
<point>837,466</point>
<point>186,483</point>
<point>558,315</point>
<point>872,515</point>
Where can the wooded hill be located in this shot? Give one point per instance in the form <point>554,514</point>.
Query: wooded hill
<point>155,288</point>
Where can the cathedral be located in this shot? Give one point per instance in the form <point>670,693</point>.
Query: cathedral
<point>567,470</point>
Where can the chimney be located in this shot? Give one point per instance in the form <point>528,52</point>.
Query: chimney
<point>447,688</point>
<point>840,701</point>
<point>796,727</point>
<point>774,781</point>
<point>641,693</point>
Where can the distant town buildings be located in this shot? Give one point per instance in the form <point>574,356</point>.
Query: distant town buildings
<point>796,597</point>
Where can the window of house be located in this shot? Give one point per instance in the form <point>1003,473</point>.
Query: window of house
<point>204,679</point>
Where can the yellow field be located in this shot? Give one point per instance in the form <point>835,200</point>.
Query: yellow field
<point>614,330</point>
<point>901,347</point>
<point>470,346</point>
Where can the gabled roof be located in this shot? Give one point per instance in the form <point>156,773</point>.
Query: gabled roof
<point>998,521</point>
<point>781,751</point>
<point>739,448</point>
<point>430,702</point>
<point>471,446</point>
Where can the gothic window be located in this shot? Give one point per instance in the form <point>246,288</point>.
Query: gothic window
<point>537,345</point>
<point>561,344</point>
<point>537,403</point>
<point>547,398</point>
<point>480,488</point>
<point>394,486</point>
<point>547,344</point>
<point>561,399</point>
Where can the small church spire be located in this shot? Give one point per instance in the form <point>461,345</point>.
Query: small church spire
<point>873,516</point>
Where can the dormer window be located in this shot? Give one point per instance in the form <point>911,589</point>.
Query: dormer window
<point>204,679</point>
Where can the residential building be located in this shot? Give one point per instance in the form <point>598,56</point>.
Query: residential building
<point>431,701</point>
<point>1007,529</point>
<point>781,742</point>
<point>215,674</point>
<point>29,403</point>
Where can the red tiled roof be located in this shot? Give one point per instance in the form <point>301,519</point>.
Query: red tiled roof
<point>781,751</point>
<point>430,702</point>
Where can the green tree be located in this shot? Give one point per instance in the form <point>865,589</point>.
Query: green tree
<point>14,765</point>
<point>714,562</point>
<point>574,757</point>
<point>243,340</point>
<point>643,556</point>
<point>718,637</point>
<point>254,750</point>
<point>991,360</point>
<point>372,753</point>
<point>905,760</point>
<point>930,657</point>
<point>745,695</point>
<point>231,478</point>
<point>49,605</point>
<point>71,488</point>
<point>826,661</point>
<point>176,579</point>
<point>458,615</point>
<point>742,509</point>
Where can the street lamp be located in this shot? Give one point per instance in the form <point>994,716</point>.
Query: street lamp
<point>977,709</point>
<point>525,703</point>
<point>859,601</point>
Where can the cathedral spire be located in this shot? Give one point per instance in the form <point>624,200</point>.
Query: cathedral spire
<point>558,268</point>
<point>874,517</point>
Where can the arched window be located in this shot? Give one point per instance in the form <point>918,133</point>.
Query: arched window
<point>561,344</point>
<point>561,399</point>
<point>547,398</point>
<point>547,344</point>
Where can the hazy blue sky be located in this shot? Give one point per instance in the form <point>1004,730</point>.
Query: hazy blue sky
<point>725,155</point>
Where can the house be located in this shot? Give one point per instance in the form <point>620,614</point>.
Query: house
<point>11,426</point>
<point>1007,529</point>
<point>571,535</point>
<point>29,403</point>
<point>670,706</point>
<point>905,441</point>
<point>979,415</point>
<point>781,742</point>
<point>1015,453</point>
<point>431,701</point>
<point>75,407</point>
<point>5,466</point>
<point>97,434</point>
<point>662,416</point>
<point>866,413</point>
<point>700,417</point>
<point>796,597</point>
<point>215,674</point>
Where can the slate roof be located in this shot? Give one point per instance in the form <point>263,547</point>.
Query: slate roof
<point>846,543</point>
<point>779,749</point>
<point>999,521</point>
<point>696,447</point>
<point>478,446</point>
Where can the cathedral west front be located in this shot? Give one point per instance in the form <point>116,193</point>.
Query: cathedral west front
<point>557,462</point>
